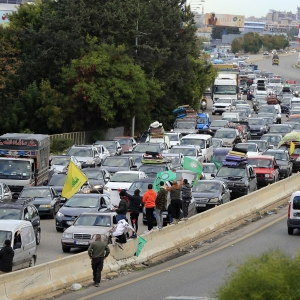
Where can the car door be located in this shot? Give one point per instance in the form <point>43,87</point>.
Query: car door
<point>97,157</point>
<point>225,194</point>
<point>6,192</point>
<point>34,218</point>
<point>76,162</point>
<point>56,200</point>
<point>28,243</point>
<point>19,257</point>
<point>251,179</point>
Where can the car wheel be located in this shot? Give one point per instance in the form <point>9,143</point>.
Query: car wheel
<point>290,231</point>
<point>31,262</point>
<point>66,249</point>
<point>38,237</point>
<point>248,191</point>
<point>59,229</point>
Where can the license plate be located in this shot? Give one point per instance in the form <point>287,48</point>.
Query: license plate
<point>201,205</point>
<point>253,133</point>
<point>81,243</point>
<point>70,222</point>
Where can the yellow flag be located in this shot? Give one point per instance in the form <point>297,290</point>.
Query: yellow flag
<point>74,181</point>
<point>292,148</point>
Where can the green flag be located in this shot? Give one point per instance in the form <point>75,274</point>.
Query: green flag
<point>192,165</point>
<point>163,176</point>
<point>218,164</point>
<point>141,244</point>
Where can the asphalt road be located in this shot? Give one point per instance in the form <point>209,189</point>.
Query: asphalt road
<point>198,273</point>
<point>50,247</point>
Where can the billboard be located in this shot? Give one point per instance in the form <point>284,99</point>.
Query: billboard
<point>212,19</point>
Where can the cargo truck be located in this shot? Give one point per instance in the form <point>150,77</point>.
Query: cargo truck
<point>24,160</point>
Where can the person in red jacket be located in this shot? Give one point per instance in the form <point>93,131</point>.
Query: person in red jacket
<point>149,203</point>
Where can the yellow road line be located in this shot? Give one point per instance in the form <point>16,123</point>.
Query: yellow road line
<point>182,263</point>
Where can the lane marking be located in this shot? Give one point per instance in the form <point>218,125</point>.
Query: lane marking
<point>182,263</point>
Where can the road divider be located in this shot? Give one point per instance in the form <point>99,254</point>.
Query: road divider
<point>45,278</point>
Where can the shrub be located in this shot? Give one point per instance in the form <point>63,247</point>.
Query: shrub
<point>59,145</point>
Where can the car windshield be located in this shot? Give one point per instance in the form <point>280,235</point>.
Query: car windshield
<point>225,134</point>
<point>184,151</point>
<point>279,129</point>
<point>173,137</point>
<point>58,180</point>
<point>126,142</point>
<point>225,89</point>
<point>248,147</point>
<point>137,159</point>
<point>219,157</point>
<point>81,152</point>
<point>194,142</point>
<point>260,144</point>
<point>116,162</point>
<point>267,109</point>
<point>218,123</point>
<point>91,174</point>
<point>217,143</point>
<point>140,148</point>
<point>209,169</point>
<point>152,169</point>
<point>260,163</point>
<point>124,177</point>
<point>83,202</point>
<point>202,121</point>
<point>175,160</point>
<point>225,172</point>
<point>255,121</point>
<point>36,193</point>
<point>294,119</point>
<point>140,185</point>
<point>223,100</point>
<point>273,140</point>
<point>206,187</point>
<point>10,213</point>
<point>4,235</point>
<point>110,145</point>
<point>14,169</point>
<point>93,220</point>
<point>61,161</point>
<point>278,155</point>
<point>185,125</point>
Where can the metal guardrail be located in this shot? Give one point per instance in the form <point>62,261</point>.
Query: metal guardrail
<point>78,138</point>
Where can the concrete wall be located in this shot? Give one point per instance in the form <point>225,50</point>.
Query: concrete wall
<point>25,284</point>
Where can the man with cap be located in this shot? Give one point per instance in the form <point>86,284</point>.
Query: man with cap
<point>6,258</point>
<point>186,194</point>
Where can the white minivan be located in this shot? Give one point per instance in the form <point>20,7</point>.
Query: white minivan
<point>204,141</point>
<point>22,237</point>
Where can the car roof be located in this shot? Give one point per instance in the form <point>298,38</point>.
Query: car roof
<point>280,125</point>
<point>198,136</point>
<point>129,172</point>
<point>211,181</point>
<point>147,179</point>
<point>98,213</point>
<point>276,151</point>
<point>36,187</point>
<point>184,147</point>
<point>266,157</point>
<point>11,224</point>
<point>94,195</point>
<point>227,129</point>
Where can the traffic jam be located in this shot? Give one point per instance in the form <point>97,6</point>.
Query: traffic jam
<point>244,135</point>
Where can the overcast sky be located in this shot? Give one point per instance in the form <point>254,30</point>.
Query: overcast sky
<point>255,8</point>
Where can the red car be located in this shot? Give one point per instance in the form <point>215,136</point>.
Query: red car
<point>127,143</point>
<point>266,169</point>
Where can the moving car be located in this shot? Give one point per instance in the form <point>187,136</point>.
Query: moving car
<point>112,164</point>
<point>152,147</point>
<point>5,193</point>
<point>217,124</point>
<point>230,136</point>
<point>293,219</point>
<point>251,148</point>
<point>175,138</point>
<point>113,147</point>
<point>60,163</point>
<point>258,126</point>
<point>272,138</point>
<point>282,129</point>
<point>208,169</point>
<point>190,151</point>
<point>210,193</point>
<point>127,143</point>
<point>97,178</point>
<point>222,105</point>
<point>87,155</point>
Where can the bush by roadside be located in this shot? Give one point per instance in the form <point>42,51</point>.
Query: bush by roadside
<point>57,146</point>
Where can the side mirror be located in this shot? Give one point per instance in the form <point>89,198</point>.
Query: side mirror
<point>6,196</point>
<point>213,175</point>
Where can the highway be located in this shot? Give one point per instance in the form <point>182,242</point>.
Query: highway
<point>50,247</point>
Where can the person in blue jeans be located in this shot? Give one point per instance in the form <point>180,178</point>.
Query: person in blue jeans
<point>122,208</point>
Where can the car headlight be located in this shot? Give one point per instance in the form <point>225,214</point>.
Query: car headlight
<point>89,162</point>
<point>106,188</point>
<point>46,205</point>
<point>214,200</point>
<point>261,128</point>
<point>267,175</point>
<point>59,214</point>
<point>67,235</point>
<point>99,186</point>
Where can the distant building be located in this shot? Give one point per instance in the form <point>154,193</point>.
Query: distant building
<point>258,27</point>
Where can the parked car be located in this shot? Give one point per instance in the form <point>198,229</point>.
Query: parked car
<point>217,124</point>
<point>84,229</point>
<point>251,148</point>
<point>78,204</point>
<point>210,193</point>
<point>152,147</point>
<point>113,147</point>
<point>266,169</point>
<point>60,163</point>
<point>97,178</point>
<point>282,129</point>
<point>272,138</point>
<point>258,126</point>
<point>45,199</point>
<point>22,209</point>
<point>230,136</point>
<point>87,155</point>
<point>283,160</point>
<point>113,164</point>
<point>191,151</point>
<point>127,143</point>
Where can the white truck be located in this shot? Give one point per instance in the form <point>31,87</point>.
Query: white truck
<point>226,86</point>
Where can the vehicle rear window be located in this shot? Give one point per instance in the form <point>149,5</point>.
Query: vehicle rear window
<point>296,202</point>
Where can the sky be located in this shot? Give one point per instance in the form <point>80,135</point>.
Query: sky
<point>257,8</point>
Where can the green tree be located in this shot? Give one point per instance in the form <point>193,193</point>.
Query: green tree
<point>252,42</point>
<point>271,276</point>
<point>105,85</point>
<point>237,44</point>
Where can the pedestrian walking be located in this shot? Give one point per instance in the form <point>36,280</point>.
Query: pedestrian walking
<point>98,251</point>
<point>186,194</point>
<point>135,201</point>
<point>149,203</point>
<point>175,191</point>
<point>119,233</point>
<point>160,204</point>
<point>122,208</point>
<point>6,258</point>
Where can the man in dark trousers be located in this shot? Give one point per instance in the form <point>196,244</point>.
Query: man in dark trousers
<point>122,208</point>
<point>98,251</point>
<point>186,194</point>
<point>6,258</point>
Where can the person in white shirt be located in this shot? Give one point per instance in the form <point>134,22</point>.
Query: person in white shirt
<point>119,233</point>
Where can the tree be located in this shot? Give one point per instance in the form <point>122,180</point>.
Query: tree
<point>273,275</point>
<point>105,85</point>
<point>252,42</point>
<point>237,44</point>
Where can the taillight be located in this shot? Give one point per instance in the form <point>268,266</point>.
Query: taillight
<point>289,210</point>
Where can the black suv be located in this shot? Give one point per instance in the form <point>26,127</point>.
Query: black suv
<point>283,160</point>
<point>241,179</point>
<point>22,209</point>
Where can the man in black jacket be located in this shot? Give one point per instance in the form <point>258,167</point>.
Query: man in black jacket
<point>6,258</point>
<point>134,209</point>
<point>122,208</point>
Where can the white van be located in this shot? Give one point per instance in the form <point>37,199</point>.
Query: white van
<point>204,141</point>
<point>22,238</point>
<point>165,140</point>
<point>231,116</point>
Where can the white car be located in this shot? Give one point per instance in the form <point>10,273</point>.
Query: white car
<point>103,151</point>
<point>60,163</point>
<point>190,151</point>
<point>175,138</point>
<point>252,148</point>
<point>122,180</point>
<point>222,105</point>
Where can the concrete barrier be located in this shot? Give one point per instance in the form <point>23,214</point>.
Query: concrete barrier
<point>45,278</point>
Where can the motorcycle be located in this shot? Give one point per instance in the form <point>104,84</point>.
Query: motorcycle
<point>203,104</point>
